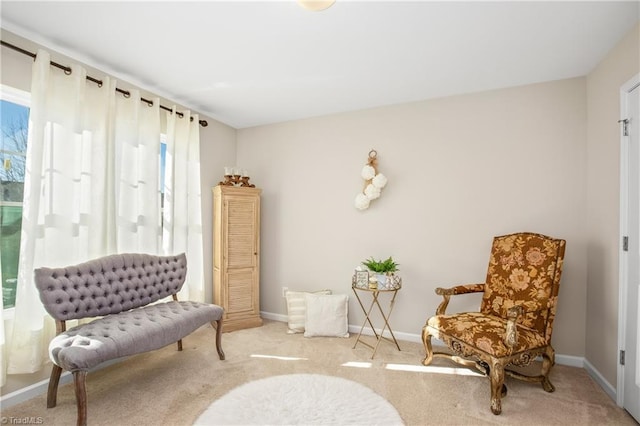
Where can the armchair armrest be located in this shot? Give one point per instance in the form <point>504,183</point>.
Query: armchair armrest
<point>538,306</point>
<point>514,312</point>
<point>511,331</point>
<point>446,293</point>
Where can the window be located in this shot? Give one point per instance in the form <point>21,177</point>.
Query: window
<point>14,114</point>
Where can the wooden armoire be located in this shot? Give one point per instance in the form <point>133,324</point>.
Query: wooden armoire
<point>236,255</point>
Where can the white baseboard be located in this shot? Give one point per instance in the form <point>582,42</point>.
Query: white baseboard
<point>570,360</point>
<point>31,391</point>
<point>41,387</point>
<point>600,380</point>
<point>274,317</point>
<point>407,337</point>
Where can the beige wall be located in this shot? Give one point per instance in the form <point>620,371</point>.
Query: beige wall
<point>461,170</point>
<point>217,150</point>
<point>603,205</point>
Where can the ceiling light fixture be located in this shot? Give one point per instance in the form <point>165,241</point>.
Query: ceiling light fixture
<point>316,5</point>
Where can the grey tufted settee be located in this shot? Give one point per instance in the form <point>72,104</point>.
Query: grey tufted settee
<point>121,289</point>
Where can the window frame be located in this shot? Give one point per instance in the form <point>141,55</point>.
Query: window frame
<point>22,98</point>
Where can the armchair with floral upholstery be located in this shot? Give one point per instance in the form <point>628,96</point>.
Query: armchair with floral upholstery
<point>516,315</point>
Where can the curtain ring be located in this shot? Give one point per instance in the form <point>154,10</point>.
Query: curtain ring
<point>67,71</point>
<point>126,94</point>
<point>373,153</point>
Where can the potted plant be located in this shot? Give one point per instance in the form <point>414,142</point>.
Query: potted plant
<point>382,269</point>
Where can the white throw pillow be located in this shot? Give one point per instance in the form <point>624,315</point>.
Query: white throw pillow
<point>297,308</point>
<point>327,315</point>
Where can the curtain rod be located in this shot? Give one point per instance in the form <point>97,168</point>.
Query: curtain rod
<point>67,70</point>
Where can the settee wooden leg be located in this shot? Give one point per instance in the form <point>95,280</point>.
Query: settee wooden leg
<point>497,380</point>
<point>426,340</point>
<point>180,344</point>
<point>218,326</point>
<point>80,380</point>
<point>52,392</point>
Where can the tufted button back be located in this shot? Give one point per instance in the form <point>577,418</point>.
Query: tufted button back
<point>109,285</point>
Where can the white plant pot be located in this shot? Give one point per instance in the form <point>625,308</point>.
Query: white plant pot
<point>382,281</point>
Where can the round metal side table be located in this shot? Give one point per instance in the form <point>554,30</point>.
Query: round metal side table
<point>375,301</point>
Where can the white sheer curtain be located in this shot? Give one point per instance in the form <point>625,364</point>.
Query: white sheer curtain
<point>91,189</point>
<point>67,200</point>
<point>3,353</point>
<point>137,139</point>
<point>182,214</point>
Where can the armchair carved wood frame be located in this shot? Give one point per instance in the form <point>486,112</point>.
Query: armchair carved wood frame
<point>516,315</point>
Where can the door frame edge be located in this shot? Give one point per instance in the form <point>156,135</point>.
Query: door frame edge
<point>625,89</point>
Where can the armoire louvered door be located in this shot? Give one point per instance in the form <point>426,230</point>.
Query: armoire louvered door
<point>236,255</point>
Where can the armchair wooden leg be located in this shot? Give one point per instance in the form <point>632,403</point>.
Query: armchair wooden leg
<point>218,326</point>
<point>179,345</point>
<point>497,380</point>
<point>426,340</point>
<point>484,368</point>
<point>79,380</point>
<point>548,360</point>
<point>52,392</point>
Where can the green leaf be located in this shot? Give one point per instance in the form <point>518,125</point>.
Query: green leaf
<point>381,266</point>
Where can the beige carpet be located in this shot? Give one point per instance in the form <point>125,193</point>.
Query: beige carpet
<point>167,387</point>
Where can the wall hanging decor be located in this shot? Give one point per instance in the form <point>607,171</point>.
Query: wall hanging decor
<point>374,182</point>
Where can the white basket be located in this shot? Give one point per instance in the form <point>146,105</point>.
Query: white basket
<point>394,282</point>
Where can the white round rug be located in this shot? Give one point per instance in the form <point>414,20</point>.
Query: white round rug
<point>301,399</point>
